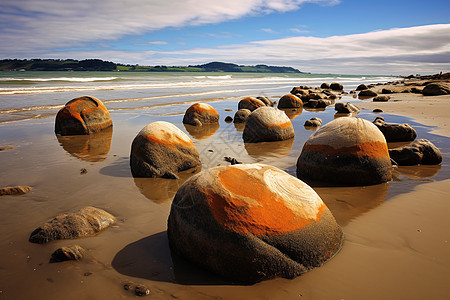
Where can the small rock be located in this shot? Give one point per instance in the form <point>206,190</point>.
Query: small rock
<point>232,160</point>
<point>346,108</point>
<point>68,253</point>
<point>241,115</point>
<point>250,103</point>
<point>361,87</point>
<point>367,93</point>
<point>141,290</point>
<point>228,119</point>
<point>336,86</point>
<point>313,122</point>
<point>381,99</point>
<point>14,190</point>
<point>324,86</point>
<point>228,109</point>
<point>377,110</point>
<point>386,91</point>
<point>83,171</point>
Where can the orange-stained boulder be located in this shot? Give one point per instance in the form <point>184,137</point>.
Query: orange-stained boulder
<point>83,115</point>
<point>85,222</point>
<point>267,124</point>
<point>200,113</point>
<point>290,101</point>
<point>250,103</point>
<point>348,151</point>
<point>161,150</point>
<point>252,222</point>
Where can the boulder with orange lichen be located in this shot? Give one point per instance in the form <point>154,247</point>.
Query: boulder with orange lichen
<point>290,101</point>
<point>252,222</point>
<point>81,116</point>
<point>250,103</point>
<point>347,151</point>
<point>267,124</point>
<point>83,223</point>
<point>161,150</point>
<point>199,114</point>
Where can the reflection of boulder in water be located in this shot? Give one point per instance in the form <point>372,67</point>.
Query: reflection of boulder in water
<point>416,172</point>
<point>269,149</point>
<point>93,147</point>
<point>239,126</point>
<point>293,113</point>
<point>347,203</point>
<point>202,132</point>
<point>159,190</point>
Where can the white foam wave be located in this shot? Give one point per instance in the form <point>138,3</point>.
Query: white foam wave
<point>70,79</point>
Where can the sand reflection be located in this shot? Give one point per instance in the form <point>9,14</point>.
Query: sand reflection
<point>293,113</point>
<point>347,203</point>
<point>160,190</point>
<point>202,132</point>
<point>92,147</point>
<point>269,149</point>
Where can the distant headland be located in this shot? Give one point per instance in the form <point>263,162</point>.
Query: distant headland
<point>101,65</point>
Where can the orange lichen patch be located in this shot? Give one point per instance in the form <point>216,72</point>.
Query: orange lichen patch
<point>252,207</point>
<point>201,108</point>
<point>167,139</point>
<point>292,97</point>
<point>282,126</point>
<point>369,149</point>
<point>254,101</point>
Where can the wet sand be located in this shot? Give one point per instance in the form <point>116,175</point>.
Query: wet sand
<point>396,238</point>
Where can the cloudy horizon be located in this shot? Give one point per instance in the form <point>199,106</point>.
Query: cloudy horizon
<point>191,32</point>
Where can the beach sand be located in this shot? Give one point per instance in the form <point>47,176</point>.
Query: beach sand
<point>396,238</point>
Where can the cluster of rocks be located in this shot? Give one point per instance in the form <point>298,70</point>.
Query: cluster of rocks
<point>249,222</point>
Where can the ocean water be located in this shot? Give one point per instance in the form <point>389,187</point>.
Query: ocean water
<point>30,95</point>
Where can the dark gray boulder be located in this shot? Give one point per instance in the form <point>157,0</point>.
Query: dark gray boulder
<point>395,132</point>
<point>419,152</point>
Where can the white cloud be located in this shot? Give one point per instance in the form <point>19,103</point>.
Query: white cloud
<point>269,30</point>
<point>47,24</point>
<point>157,43</point>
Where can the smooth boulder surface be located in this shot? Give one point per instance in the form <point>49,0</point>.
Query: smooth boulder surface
<point>346,108</point>
<point>250,103</point>
<point>200,113</point>
<point>361,87</point>
<point>419,152</point>
<point>83,115</point>
<point>290,101</point>
<point>86,222</point>
<point>161,150</point>
<point>252,222</point>
<point>267,124</point>
<point>266,100</point>
<point>347,151</point>
<point>241,115</point>
<point>436,89</point>
<point>395,132</point>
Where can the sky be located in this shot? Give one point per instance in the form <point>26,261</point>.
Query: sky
<point>317,36</point>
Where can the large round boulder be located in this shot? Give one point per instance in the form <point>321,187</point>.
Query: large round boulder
<point>200,113</point>
<point>250,103</point>
<point>267,124</point>
<point>420,151</point>
<point>83,115</point>
<point>290,101</point>
<point>161,150</point>
<point>335,86</point>
<point>348,151</point>
<point>252,222</point>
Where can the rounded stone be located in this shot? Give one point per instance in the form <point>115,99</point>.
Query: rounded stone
<point>421,151</point>
<point>161,150</point>
<point>347,151</point>
<point>241,115</point>
<point>367,93</point>
<point>290,101</point>
<point>83,115</point>
<point>335,86</point>
<point>324,86</point>
<point>267,124</point>
<point>361,87</point>
<point>200,113</point>
<point>252,222</point>
<point>250,103</point>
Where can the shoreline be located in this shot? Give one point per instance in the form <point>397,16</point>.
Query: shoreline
<point>393,249</point>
